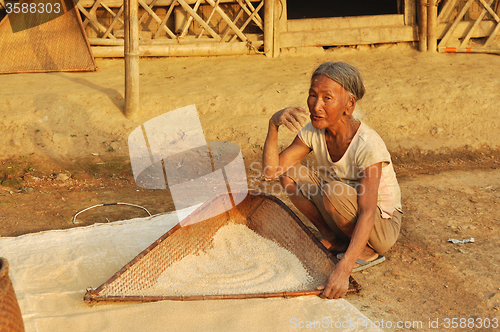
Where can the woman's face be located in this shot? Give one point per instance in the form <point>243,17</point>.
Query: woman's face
<point>328,103</point>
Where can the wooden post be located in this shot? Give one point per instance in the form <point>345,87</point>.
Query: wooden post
<point>131,52</point>
<point>422,25</point>
<point>283,18</point>
<point>268,27</point>
<point>432,26</point>
<point>278,10</point>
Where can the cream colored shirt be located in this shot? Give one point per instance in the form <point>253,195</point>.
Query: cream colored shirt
<point>366,148</point>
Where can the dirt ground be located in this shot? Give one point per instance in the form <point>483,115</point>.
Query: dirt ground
<point>64,148</point>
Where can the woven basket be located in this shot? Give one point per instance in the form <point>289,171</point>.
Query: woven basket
<point>11,319</point>
<point>264,214</point>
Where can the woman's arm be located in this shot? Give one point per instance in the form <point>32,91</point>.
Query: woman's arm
<point>338,281</point>
<point>275,163</point>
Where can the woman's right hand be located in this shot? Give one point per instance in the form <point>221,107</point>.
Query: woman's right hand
<point>294,118</point>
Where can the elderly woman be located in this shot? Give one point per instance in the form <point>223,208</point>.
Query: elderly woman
<point>352,197</point>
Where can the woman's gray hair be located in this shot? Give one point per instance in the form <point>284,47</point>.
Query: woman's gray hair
<point>346,75</point>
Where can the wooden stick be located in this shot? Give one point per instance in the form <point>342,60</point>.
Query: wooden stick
<point>455,23</point>
<point>257,16</point>
<point>432,26</point>
<point>492,36</point>
<point>156,18</point>
<point>422,25</point>
<point>93,20</point>
<point>476,24</point>
<point>106,42</point>
<point>121,42</point>
<point>250,12</point>
<point>268,27</point>
<point>112,12</point>
<point>209,18</point>
<point>248,20</point>
<point>488,8</point>
<point>468,50</point>
<point>165,19</point>
<point>446,11</point>
<point>497,28</point>
<point>131,52</point>
<point>199,19</point>
<point>195,49</point>
<point>276,28</point>
<point>283,21</point>
<point>92,12</point>
<point>115,19</point>
<point>163,3</point>
<point>228,21</point>
<point>228,29</point>
<point>145,14</point>
<point>190,19</point>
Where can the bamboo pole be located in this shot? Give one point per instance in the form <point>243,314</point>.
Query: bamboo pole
<point>432,26</point>
<point>268,27</point>
<point>158,3</point>
<point>198,49</point>
<point>446,11</point>
<point>227,29</point>
<point>278,11</point>
<point>190,20</point>
<point>283,19</point>
<point>165,19</point>
<point>492,36</point>
<point>209,18</point>
<point>487,6</point>
<point>121,42</point>
<point>92,12</point>
<point>131,52</point>
<point>468,50</point>
<point>422,25</point>
<point>145,14</point>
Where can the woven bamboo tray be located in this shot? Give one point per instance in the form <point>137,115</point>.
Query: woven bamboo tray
<point>264,214</point>
<point>40,41</point>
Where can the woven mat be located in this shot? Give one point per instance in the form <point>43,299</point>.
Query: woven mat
<point>51,270</point>
<point>42,42</point>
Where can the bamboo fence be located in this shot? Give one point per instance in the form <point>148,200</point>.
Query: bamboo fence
<point>178,27</point>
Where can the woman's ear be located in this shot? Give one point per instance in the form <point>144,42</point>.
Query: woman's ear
<point>351,105</point>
